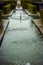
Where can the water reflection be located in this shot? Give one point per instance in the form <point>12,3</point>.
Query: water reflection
<point>22,43</point>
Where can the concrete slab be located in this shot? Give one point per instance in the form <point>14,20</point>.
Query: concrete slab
<point>38,24</point>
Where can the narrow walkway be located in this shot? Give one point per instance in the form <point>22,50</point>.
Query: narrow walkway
<point>22,42</point>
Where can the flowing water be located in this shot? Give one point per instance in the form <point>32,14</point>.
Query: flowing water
<point>22,43</point>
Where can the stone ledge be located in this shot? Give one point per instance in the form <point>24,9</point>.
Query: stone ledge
<point>7,15</point>
<point>37,15</point>
<point>3,29</point>
<point>38,25</point>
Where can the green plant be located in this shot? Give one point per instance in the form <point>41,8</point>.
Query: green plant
<point>7,9</point>
<point>32,8</point>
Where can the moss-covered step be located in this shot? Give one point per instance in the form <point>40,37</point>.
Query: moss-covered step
<point>32,8</point>
<point>7,9</point>
<point>41,15</point>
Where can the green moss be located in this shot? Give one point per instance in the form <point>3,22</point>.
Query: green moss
<point>32,8</point>
<point>41,15</point>
<point>7,9</point>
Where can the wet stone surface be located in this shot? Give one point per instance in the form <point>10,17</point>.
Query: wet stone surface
<point>22,43</point>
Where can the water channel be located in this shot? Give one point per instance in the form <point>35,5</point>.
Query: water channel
<point>22,43</point>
